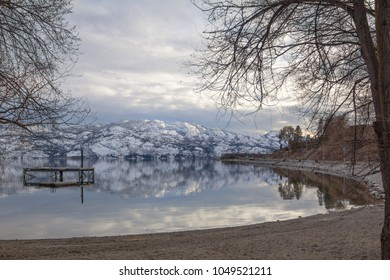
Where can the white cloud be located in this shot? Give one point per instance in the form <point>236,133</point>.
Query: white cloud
<point>132,64</point>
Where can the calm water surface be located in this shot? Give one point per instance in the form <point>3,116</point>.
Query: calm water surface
<point>163,196</point>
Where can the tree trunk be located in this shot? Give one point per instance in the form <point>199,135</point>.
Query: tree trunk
<point>382,125</point>
<point>383,137</point>
<point>385,235</point>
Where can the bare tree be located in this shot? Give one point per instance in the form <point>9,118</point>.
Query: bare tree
<point>37,50</point>
<point>333,54</point>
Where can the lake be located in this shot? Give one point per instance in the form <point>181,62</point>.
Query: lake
<point>131,197</point>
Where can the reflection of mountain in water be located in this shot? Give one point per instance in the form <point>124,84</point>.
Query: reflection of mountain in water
<point>155,179</point>
<point>170,178</point>
<point>10,178</point>
<point>149,178</point>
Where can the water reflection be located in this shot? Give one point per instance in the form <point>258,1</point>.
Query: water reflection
<point>159,196</point>
<point>164,179</point>
<point>333,192</point>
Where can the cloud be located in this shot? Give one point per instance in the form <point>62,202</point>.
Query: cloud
<point>132,64</point>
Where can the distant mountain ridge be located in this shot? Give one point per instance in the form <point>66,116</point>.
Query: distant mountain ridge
<point>138,139</point>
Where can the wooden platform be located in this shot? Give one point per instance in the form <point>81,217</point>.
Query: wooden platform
<point>55,184</point>
<point>86,176</point>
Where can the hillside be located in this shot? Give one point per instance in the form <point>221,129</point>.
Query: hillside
<point>339,142</point>
<point>139,139</point>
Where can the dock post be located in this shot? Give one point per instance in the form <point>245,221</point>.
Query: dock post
<point>82,195</point>
<point>82,165</point>
<point>82,158</point>
<point>81,175</point>
<point>24,177</point>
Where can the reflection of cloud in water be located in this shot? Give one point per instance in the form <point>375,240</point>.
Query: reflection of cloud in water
<point>131,217</point>
<point>144,221</point>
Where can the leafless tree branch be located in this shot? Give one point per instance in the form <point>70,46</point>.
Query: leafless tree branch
<point>37,50</point>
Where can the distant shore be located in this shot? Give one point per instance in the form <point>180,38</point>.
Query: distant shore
<point>351,234</point>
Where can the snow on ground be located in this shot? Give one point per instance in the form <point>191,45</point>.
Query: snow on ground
<point>140,138</point>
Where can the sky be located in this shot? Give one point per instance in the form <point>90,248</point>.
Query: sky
<point>132,66</point>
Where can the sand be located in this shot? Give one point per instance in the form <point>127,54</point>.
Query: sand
<point>352,234</point>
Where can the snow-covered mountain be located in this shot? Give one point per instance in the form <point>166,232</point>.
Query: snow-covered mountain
<point>137,139</point>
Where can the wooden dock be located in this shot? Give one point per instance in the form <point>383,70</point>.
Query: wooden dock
<point>86,176</point>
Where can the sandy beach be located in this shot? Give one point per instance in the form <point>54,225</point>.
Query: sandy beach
<point>351,234</point>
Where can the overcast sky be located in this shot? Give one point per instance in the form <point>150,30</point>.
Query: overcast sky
<point>132,65</point>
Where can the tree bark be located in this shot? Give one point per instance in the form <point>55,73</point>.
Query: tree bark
<point>382,126</point>
<point>378,64</point>
<point>382,133</point>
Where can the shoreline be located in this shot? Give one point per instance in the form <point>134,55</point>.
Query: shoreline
<point>362,172</point>
<point>349,234</point>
